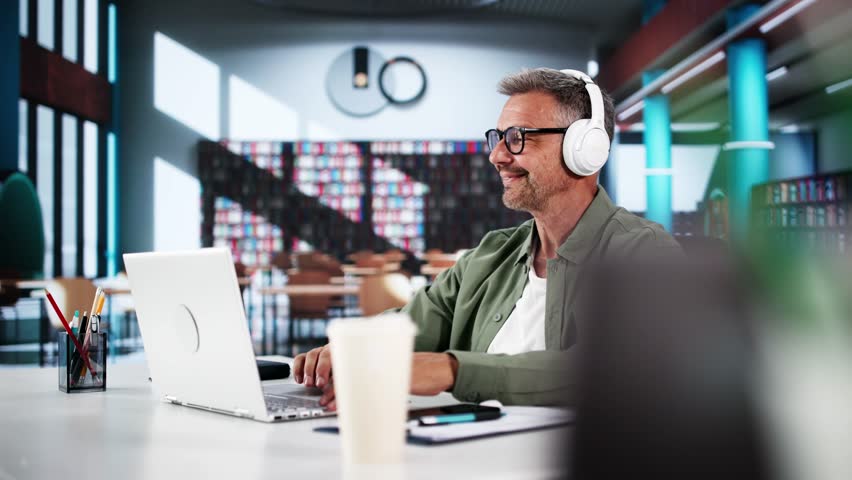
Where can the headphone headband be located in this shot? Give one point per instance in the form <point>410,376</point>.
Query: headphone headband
<point>585,147</point>
<point>595,96</point>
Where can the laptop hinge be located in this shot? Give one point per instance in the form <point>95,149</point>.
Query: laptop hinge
<point>171,399</point>
<point>241,412</point>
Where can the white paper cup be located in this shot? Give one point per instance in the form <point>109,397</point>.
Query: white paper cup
<point>371,370</point>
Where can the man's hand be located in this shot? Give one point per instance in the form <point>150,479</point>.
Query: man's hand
<point>313,368</point>
<point>433,373</point>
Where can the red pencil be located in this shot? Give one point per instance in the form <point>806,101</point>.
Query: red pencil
<point>83,353</point>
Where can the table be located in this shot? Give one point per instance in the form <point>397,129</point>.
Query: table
<point>33,287</point>
<point>127,432</point>
<point>432,270</point>
<point>355,270</point>
<point>303,290</point>
<point>25,284</point>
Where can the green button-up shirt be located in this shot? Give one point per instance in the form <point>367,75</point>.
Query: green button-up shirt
<point>465,307</point>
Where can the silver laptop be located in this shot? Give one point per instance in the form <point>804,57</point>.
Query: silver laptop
<point>197,340</point>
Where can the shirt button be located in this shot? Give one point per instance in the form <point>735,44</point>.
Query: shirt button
<point>497,317</point>
<point>551,268</point>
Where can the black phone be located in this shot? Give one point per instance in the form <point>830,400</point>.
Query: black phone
<point>451,409</point>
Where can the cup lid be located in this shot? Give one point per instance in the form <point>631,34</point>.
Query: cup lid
<point>392,323</point>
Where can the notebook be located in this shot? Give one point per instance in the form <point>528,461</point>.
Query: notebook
<point>516,419</point>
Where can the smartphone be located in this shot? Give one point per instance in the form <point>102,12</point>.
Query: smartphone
<point>452,409</point>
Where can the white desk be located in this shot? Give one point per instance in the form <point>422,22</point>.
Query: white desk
<point>127,433</point>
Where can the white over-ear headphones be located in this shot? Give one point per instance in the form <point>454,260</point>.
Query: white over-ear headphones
<point>585,147</point>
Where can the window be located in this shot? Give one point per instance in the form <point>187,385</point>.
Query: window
<point>90,199</point>
<point>44,180</point>
<point>22,135</point>
<point>69,29</point>
<point>45,23</point>
<point>23,17</point>
<point>70,167</point>
<point>70,184</point>
<point>90,24</point>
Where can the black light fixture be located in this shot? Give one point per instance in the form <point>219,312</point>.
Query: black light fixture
<point>360,74</point>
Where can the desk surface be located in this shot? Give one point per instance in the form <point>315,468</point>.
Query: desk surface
<point>128,433</point>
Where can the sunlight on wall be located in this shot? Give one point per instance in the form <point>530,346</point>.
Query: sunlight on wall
<point>691,169</point>
<point>186,86</point>
<point>256,115</point>
<point>177,211</point>
<point>318,132</point>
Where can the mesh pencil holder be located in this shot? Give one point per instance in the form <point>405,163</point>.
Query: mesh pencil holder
<point>79,373</point>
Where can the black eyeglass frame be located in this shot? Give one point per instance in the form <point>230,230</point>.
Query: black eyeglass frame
<point>501,135</point>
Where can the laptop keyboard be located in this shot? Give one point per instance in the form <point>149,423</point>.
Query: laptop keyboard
<point>293,407</point>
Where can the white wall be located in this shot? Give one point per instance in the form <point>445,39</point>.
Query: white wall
<point>691,169</point>
<point>692,166</point>
<point>834,142</point>
<point>271,72</point>
<point>793,155</point>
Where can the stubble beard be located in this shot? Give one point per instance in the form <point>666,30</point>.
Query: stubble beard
<point>525,196</point>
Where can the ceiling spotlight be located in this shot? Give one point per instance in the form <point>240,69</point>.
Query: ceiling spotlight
<point>592,68</point>
<point>785,15</point>
<point>836,87</point>
<point>694,71</point>
<point>628,112</point>
<point>777,73</point>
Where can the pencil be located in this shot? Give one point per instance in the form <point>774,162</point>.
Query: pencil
<point>70,332</point>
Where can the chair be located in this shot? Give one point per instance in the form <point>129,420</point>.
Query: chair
<point>382,292</point>
<point>318,261</point>
<point>359,254</point>
<point>371,261</point>
<point>310,308</point>
<point>282,261</point>
<point>394,256</point>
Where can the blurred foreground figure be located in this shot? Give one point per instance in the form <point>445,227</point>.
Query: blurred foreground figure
<point>666,373</point>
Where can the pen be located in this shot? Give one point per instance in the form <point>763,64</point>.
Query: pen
<point>95,320</point>
<point>95,301</point>
<point>432,420</point>
<point>82,338</point>
<point>75,322</point>
<point>68,330</point>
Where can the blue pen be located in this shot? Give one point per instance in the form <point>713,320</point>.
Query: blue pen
<point>433,420</point>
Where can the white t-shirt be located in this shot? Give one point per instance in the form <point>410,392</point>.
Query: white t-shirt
<point>524,329</point>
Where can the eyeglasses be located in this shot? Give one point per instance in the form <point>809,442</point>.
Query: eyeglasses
<point>515,137</point>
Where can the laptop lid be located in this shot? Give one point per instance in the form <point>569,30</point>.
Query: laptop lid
<point>194,329</point>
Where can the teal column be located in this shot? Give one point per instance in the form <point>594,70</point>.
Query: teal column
<point>658,155</point>
<point>10,88</point>
<point>749,116</point>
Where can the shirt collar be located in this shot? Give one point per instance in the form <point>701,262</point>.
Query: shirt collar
<point>583,238</point>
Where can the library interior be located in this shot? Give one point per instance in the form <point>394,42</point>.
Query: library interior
<point>624,222</point>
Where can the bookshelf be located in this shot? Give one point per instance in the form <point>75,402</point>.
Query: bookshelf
<point>259,198</point>
<point>809,214</point>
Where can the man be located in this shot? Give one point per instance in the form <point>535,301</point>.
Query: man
<point>502,322</point>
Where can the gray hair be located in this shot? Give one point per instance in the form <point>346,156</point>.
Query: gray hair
<point>569,92</point>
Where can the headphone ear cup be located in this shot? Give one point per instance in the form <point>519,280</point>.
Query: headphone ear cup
<point>584,149</point>
<point>595,150</point>
<point>570,142</point>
